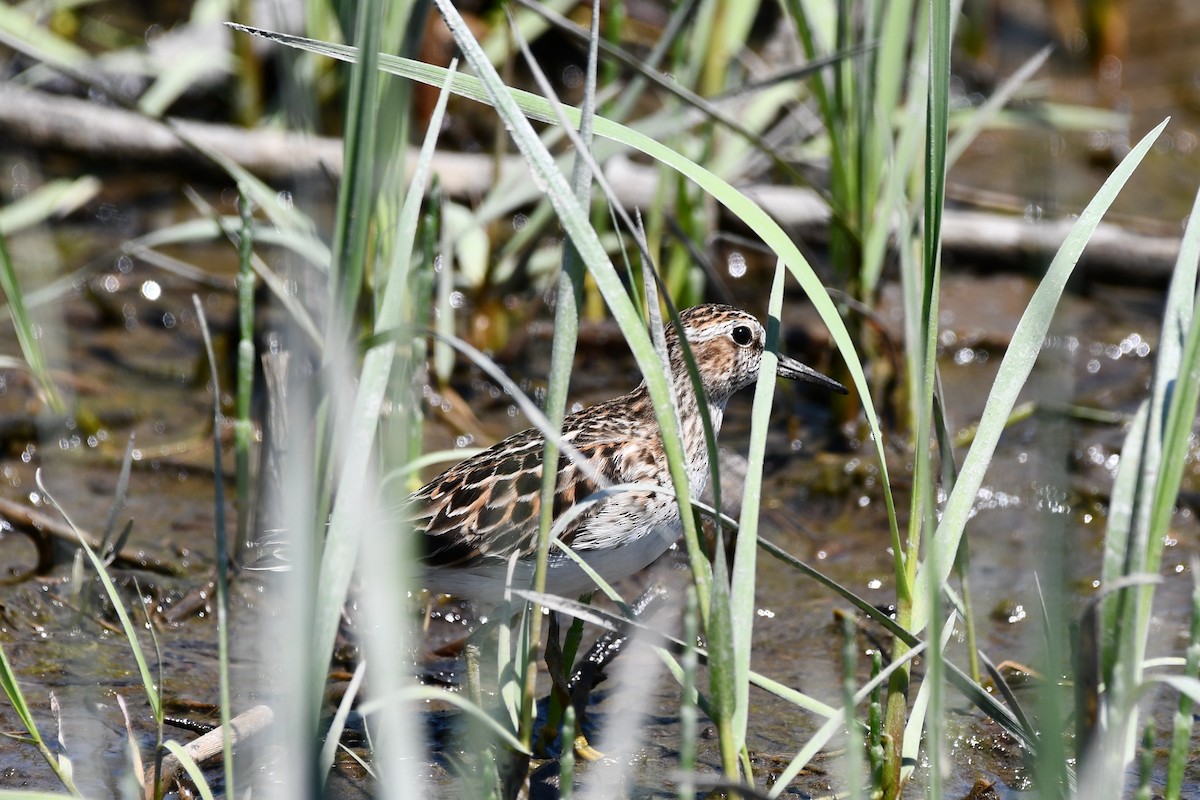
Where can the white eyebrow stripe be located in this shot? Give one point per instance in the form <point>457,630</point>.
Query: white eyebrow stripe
<point>712,331</point>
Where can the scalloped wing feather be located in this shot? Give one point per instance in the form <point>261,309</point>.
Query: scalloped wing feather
<point>488,506</point>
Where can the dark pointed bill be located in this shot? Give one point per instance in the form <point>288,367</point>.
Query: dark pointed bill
<point>791,368</point>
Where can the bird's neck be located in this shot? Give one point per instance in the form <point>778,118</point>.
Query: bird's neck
<point>691,421</point>
<point>695,445</point>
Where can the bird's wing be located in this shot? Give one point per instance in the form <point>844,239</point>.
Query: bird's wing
<point>488,506</point>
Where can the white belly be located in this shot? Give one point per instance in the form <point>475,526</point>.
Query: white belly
<point>630,531</point>
<point>564,577</point>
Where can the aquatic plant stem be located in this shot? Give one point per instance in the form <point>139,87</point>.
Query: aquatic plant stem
<point>243,429</point>
<point>1182,727</point>
<point>922,350</point>
<point>357,189</point>
<point>854,741</point>
<point>222,561</point>
<point>875,750</point>
<point>566,772</point>
<point>688,717</point>
<point>512,103</point>
<point>896,714</point>
<point>248,90</point>
<point>562,357</point>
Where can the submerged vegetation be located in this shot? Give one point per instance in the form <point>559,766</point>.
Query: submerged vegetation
<point>346,327</point>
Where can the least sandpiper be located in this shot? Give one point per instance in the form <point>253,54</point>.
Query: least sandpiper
<point>472,518</point>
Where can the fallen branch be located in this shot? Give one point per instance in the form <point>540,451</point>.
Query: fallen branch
<point>210,745</point>
<point>108,134</point>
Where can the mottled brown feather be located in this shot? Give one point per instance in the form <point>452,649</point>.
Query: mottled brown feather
<point>480,512</point>
<point>498,497</point>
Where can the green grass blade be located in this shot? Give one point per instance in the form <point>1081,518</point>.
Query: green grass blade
<point>790,695</point>
<point>353,407</point>
<point>906,740</point>
<point>981,117</point>
<point>1181,734</point>
<point>114,596</point>
<point>190,767</point>
<point>1014,369</point>
<point>1120,522</point>
<point>222,556</point>
<point>926,705</point>
<point>576,222</point>
<point>750,213</point>
<point>689,668</point>
<point>391,307</point>
<point>568,299</point>
<point>1145,490</point>
<point>243,426</point>
<point>1180,342</point>
<point>55,198</point>
<point>16,698</point>
<point>853,773</point>
<point>566,308</point>
<point>721,671</point>
<point>746,549</point>
<point>387,551</point>
<point>1165,438</point>
<point>456,699</point>
<point>337,725</point>
<point>348,522</point>
<point>27,338</point>
<point>827,731</point>
<point>357,188</point>
<point>19,23</point>
<point>937,126</point>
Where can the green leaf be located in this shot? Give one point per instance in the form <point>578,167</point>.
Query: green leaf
<point>1014,370</point>
<point>190,767</point>
<point>118,603</point>
<point>575,220</point>
<point>742,610</point>
<point>16,698</point>
<point>836,723</point>
<point>27,338</point>
<point>55,198</point>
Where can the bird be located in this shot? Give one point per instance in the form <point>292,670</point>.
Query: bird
<point>472,519</point>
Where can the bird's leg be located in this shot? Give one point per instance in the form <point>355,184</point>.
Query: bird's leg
<point>558,689</point>
<point>589,672</point>
<point>558,663</point>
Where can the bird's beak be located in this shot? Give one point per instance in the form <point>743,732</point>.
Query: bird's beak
<point>791,368</point>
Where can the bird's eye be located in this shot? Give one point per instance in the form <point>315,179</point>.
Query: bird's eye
<point>742,335</point>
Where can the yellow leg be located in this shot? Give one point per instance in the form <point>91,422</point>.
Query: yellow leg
<point>585,751</point>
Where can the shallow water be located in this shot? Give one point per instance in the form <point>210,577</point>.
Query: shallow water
<point>1045,496</point>
<point>129,341</point>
